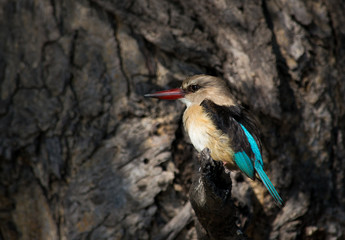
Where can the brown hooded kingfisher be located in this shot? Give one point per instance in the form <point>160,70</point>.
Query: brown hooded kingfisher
<point>213,120</point>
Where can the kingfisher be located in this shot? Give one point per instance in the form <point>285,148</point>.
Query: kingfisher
<point>213,120</point>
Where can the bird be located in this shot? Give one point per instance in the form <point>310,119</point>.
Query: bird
<point>214,120</point>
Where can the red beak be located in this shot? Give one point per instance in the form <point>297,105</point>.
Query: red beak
<point>171,94</point>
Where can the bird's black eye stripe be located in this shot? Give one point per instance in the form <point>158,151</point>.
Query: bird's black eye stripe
<point>193,88</point>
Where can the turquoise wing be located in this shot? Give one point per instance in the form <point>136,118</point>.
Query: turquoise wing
<point>244,163</point>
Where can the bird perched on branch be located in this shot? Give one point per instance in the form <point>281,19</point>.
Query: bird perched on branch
<point>213,120</point>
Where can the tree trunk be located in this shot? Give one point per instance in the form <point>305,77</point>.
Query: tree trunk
<point>84,156</point>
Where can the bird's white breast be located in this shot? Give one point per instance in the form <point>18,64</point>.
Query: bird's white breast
<point>198,137</point>
<point>198,127</point>
<point>204,134</point>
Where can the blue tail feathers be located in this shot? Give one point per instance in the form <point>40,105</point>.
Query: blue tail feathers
<point>258,165</point>
<point>268,184</point>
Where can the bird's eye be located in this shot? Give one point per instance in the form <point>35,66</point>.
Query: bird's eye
<point>193,88</point>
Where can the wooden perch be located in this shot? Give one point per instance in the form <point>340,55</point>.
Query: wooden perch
<point>210,196</point>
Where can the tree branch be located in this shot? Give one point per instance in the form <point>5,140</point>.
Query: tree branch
<point>210,196</point>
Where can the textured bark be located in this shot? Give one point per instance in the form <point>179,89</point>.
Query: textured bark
<point>84,156</point>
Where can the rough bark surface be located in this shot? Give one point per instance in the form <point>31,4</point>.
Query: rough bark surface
<point>84,156</point>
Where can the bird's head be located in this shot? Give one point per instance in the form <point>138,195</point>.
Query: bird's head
<point>196,89</point>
